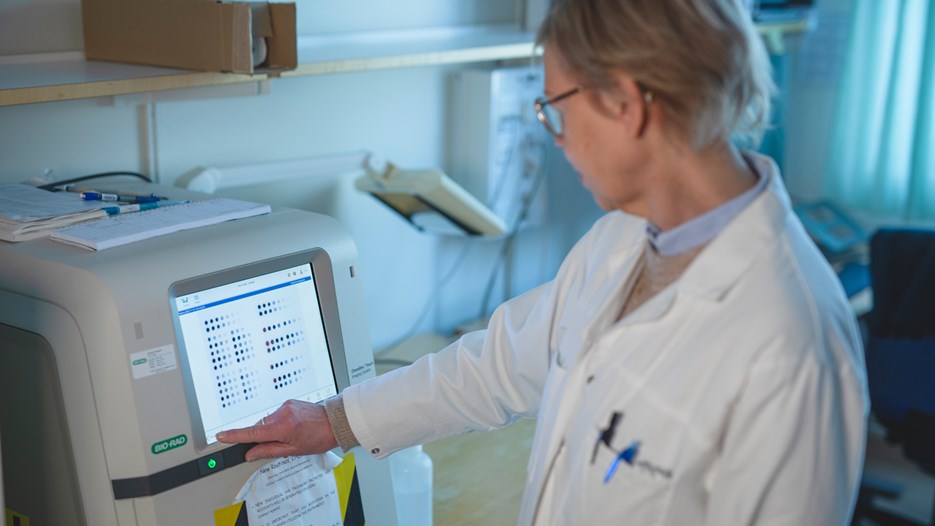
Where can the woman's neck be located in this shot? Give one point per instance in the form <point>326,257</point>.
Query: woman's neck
<point>689,185</point>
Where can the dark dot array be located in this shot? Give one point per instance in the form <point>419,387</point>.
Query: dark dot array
<point>282,363</point>
<point>236,387</point>
<point>288,378</point>
<point>270,307</point>
<point>230,347</point>
<point>228,344</point>
<point>280,325</point>
<point>218,322</point>
<point>282,342</point>
<point>240,345</point>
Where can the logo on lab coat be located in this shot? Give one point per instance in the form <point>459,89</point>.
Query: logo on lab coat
<point>628,455</point>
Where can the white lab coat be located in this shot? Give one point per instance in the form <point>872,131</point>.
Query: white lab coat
<point>740,388</point>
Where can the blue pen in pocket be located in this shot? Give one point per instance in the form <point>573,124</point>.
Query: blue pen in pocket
<point>628,455</point>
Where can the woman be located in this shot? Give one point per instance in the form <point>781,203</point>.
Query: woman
<point>695,360</point>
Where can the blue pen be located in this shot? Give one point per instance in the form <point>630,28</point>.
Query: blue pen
<point>139,207</point>
<point>612,469</point>
<point>98,196</point>
<point>160,204</point>
<point>628,455</point>
<point>141,198</point>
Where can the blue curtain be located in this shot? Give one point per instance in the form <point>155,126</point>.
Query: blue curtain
<point>774,139</point>
<point>882,150</point>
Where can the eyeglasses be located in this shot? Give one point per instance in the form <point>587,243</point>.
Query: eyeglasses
<point>549,115</point>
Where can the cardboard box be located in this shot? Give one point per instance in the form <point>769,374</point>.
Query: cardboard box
<point>202,35</point>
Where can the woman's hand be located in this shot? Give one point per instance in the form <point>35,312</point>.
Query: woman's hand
<point>296,428</point>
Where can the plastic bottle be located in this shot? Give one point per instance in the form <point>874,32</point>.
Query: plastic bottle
<point>412,480</point>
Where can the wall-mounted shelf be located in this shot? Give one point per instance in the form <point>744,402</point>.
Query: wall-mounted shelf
<point>28,79</point>
<point>76,78</point>
<point>339,53</point>
<point>44,78</point>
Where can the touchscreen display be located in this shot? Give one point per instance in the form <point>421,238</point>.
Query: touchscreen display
<point>252,344</point>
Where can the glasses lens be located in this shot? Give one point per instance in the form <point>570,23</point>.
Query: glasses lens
<point>555,119</point>
<point>550,117</point>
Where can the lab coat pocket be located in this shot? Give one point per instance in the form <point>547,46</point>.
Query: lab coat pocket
<point>623,484</point>
<point>633,463</point>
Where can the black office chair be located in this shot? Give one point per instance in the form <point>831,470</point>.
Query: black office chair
<point>900,356</point>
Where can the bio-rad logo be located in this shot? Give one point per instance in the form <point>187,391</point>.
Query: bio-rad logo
<point>628,455</point>
<point>170,443</point>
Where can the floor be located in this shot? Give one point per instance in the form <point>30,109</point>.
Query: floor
<point>479,477</point>
<point>885,461</point>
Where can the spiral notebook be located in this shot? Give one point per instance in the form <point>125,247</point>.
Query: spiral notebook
<point>122,229</point>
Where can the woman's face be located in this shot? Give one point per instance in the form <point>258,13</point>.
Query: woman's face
<point>595,139</point>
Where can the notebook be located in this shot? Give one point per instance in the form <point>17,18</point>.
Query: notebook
<point>27,212</point>
<point>122,229</point>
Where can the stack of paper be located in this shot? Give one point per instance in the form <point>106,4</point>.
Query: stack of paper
<point>127,228</point>
<point>27,212</point>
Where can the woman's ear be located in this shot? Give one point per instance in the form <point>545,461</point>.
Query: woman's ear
<point>629,106</point>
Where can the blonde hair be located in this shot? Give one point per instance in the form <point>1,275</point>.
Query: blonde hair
<point>702,60</point>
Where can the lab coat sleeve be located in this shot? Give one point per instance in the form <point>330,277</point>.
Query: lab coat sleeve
<point>793,450</point>
<point>483,381</point>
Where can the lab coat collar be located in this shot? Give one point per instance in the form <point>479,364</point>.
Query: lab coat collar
<point>716,268</point>
<point>628,273</point>
<point>734,250</point>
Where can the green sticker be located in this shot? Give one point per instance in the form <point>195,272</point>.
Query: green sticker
<point>141,361</point>
<point>170,443</point>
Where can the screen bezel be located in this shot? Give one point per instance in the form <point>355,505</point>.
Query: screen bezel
<point>323,276</point>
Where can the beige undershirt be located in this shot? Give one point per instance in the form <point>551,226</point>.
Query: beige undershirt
<point>656,273</point>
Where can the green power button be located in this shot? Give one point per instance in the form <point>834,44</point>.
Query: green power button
<point>209,465</point>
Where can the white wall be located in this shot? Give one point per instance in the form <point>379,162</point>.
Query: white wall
<point>400,114</point>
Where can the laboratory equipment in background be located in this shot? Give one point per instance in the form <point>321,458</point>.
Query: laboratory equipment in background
<point>119,366</point>
<point>428,199</point>
<point>780,11</point>
<point>497,148</point>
